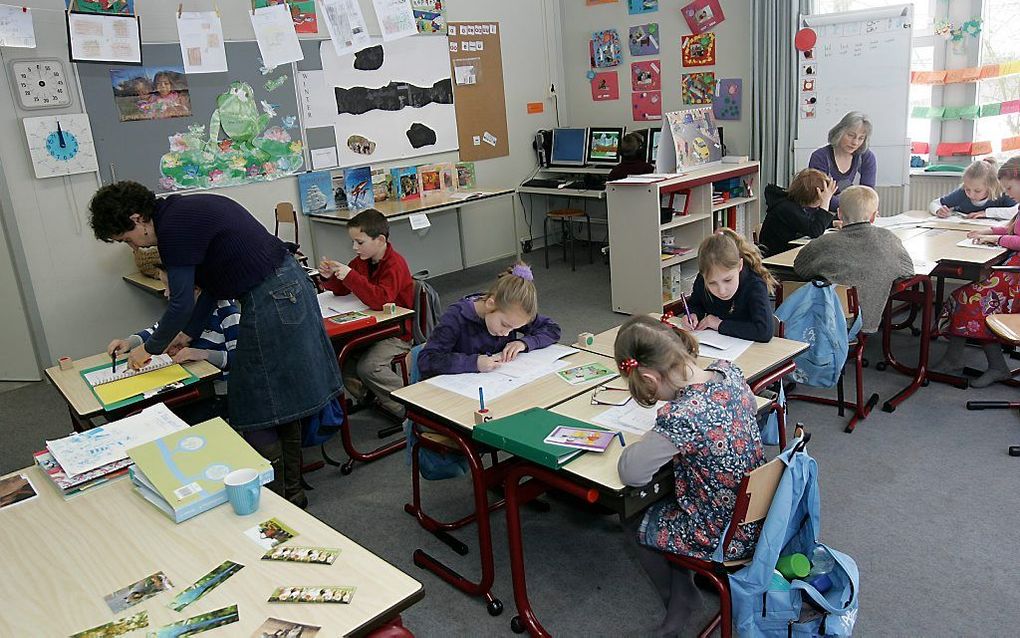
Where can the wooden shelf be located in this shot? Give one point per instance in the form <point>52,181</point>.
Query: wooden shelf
<point>680,220</point>
<point>679,259</point>
<point>730,203</point>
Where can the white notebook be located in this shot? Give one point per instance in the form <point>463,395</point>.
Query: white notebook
<point>107,375</point>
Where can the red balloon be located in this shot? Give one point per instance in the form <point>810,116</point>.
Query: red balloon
<point>805,39</point>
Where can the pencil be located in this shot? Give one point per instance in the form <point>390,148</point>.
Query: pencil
<point>687,311</point>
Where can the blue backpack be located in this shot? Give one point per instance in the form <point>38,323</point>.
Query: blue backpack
<point>323,426</point>
<point>432,465</point>
<point>814,315</point>
<point>767,607</point>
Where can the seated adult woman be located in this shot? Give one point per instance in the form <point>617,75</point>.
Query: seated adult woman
<point>846,157</point>
<point>799,211</point>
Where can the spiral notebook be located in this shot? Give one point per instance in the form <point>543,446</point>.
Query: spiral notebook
<point>114,388</point>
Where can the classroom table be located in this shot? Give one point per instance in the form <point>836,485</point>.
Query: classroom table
<point>452,416</point>
<point>346,340</point>
<point>65,556</point>
<point>85,409</point>
<point>591,477</point>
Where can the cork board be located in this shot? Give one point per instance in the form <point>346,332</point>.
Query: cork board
<point>476,66</point>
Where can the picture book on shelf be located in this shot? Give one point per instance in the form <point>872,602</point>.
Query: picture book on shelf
<point>465,175</point>
<point>405,182</point>
<point>358,188</point>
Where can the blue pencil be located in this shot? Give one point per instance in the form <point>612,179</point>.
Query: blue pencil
<point>481,399</point>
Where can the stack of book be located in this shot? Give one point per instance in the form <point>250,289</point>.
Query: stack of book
<point>88,459</point>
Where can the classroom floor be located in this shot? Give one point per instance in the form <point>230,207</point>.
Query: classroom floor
<point>924,499</point>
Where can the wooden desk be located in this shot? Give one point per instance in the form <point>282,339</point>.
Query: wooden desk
<point>110,537</point>
<point>83,404</point>
<point>148,284</point>
<point>756,362</point>
<point>382,318</point>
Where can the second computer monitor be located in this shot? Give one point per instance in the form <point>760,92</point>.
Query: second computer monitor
<point>569,146</point>
<point>604,144</point>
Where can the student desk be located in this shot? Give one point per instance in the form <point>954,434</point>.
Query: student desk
<point>761,364</point>
<point>452,415</point>
<point>346,340</point>
<point>84,407</point>
<point>591,477</point>
<point>148,284</point>
<point>80,550</point>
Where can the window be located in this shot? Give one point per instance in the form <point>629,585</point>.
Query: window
<point>999,43</point>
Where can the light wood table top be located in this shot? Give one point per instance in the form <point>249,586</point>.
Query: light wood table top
<point>148,284</point>
<point>601,469</point>
<point>455,408</point>
<point>393,209</point>
<point>1006,327</point>
<point>74,553</point>
<point>756,360</point>
<point>80,397</point>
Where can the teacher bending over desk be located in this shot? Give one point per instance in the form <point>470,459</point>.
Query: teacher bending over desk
<point>284,367</point>
<point>846,157</point>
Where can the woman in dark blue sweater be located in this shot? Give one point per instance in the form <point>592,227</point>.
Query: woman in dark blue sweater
<point>284,367</point>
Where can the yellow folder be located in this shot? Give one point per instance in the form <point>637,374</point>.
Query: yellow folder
<point>116,391</point>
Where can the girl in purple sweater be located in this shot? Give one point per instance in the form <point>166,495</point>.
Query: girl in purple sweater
<point>481,332</point>
<point>963,316</point>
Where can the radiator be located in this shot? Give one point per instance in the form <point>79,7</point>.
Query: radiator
<point>890,199</point>
<point>924,188</point>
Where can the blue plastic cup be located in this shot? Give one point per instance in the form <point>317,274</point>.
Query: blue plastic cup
<point>243,490</point>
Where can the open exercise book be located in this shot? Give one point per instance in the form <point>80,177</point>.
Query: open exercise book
<point>717,346</point>
<point>331,305</point>
<point>970,243</point>
<point>112,387</point>
<point>630,417</point>
<point>527,367</point>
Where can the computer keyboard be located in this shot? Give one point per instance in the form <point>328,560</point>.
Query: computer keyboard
<point>542,183</point>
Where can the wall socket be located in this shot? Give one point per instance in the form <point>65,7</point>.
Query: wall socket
<point>526,246</point>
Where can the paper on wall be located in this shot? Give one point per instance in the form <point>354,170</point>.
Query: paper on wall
<point>323,158</point>
<point>277,39</point>
<point>97,37</point>
<point>16,28</point>
<point>346,25</point>
<point>201,36</point>
<point>317,108</point>
<point>396,18</point>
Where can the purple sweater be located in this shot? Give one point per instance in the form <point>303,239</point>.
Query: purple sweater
<point>461,335</point>
<point>862,164</point>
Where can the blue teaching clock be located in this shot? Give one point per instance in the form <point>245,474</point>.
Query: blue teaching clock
<point>61,145</point>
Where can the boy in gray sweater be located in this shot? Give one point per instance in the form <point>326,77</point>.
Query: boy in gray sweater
<point>860,254</point>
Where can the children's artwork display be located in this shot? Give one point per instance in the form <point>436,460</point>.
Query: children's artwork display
<point>697,88</point>
<point>201,36</point>
<point>252,150</point>
<point>646,105</point>
<point>302,13</point>
<point>726,104</point>
<point>695,137</point>
<point>605,86</point>
<point>315,190</point>
<point>274,31</point>
<point>698,50</point>
<point>429,16</point>
<point>605,49</point>
<point>120,7</point>
<point>635,7</point>
<point>150,93</point>
<point>396,18</point>
<point>398,95</point>
<point>358,188</point>
<point>702,15</point>
<point>644,39</point>
<point>644,75</point>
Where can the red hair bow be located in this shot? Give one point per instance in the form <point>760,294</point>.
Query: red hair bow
<point>628,365</point>
<point>666,316</point>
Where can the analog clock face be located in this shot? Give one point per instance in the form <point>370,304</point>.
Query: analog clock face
<point>40,84</point>
<point>61,145</point>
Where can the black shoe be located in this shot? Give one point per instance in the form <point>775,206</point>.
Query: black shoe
<point>299,499</point>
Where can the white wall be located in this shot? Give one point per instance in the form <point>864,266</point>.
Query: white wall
<point>75,299</point>
<point>733,60</point>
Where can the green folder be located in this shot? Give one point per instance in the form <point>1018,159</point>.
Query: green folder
<point>523,434</point>
<point>126,402</point>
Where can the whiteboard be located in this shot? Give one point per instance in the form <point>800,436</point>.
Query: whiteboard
<point>860,62</point>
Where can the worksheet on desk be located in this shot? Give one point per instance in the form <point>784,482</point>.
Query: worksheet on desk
<point>718,346</point>
<point>970,243</point>
<point>898,221</point>
<point>524,369</point>
<point>331,305</point>
<point>965,221</point>
<point>630,417</point>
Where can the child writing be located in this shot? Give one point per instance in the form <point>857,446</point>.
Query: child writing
<point>800,210</point>
<point>632,156</point>
<point>980,195</point>
<point>731,293</point>
<point>378,275</point>
<point>707,429</point>
<point>963,316</point>
<point>480,332</point>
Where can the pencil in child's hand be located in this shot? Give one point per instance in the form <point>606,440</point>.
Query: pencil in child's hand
<point>687,310</point>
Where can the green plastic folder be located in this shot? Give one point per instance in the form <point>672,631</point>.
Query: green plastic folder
<point>523,434</point>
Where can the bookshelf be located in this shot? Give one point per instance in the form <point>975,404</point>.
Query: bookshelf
<point>641,279</point>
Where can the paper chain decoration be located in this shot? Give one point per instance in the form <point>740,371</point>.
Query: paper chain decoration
<point>969,74</point>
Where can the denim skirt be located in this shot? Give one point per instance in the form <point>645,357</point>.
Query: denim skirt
<point>284,367</point>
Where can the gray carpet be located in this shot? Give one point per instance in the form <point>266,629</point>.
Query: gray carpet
<point>922,498</point>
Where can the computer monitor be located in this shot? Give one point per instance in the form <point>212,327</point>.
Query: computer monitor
<point>652,144</point>
<point>604,144</point>
<point>569,146</point>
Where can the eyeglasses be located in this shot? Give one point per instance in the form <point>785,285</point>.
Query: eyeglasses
<point>608,395</point>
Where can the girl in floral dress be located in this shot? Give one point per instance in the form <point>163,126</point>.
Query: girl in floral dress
<point>963,316</point>
<point>707,428</point>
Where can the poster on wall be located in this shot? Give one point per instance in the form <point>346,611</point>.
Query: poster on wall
<point>120,7</point>
<point>104,38</point>
<point>729,95</point>
<point>150,93</point>
<point>697,88</point>
<point>605,86</point>
<point>302,13</point>
<point>391,100</point>
<point>644,75</point>
<point>429,16</point>
<point>644,39</point>
<point>646,106</point>
<point>396,18</point>
<point>201,36</point>
<point>702,15</point>
<point>605,49</point>
<point>635,7</point>
<point>698,50</point>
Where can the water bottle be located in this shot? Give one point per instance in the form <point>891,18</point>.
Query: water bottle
<point>821,562</point>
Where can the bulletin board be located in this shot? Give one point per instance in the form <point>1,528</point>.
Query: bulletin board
<point>135,150</point>
<point>476,65</point>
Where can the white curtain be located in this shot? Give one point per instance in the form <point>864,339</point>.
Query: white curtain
<point>773,86</point>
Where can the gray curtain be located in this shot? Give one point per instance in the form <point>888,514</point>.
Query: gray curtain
<point>773,86</point>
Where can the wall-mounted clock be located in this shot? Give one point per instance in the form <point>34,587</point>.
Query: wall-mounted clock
<point>61,144</point>
<point>40,83</point>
